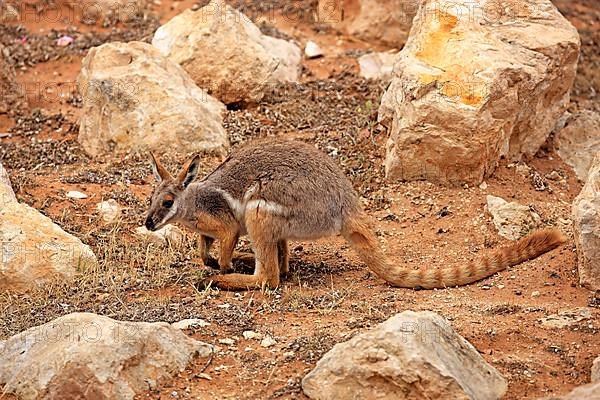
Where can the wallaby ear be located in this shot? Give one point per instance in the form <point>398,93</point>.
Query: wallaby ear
<point>190,172</point>
<point>160,173</point>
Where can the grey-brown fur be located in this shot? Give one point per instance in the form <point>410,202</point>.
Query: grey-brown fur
<point>275,190</point>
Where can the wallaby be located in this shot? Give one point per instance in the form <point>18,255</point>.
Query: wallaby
<point>277,190</point>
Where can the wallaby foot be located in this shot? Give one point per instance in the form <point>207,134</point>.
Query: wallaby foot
<point>283,256</point>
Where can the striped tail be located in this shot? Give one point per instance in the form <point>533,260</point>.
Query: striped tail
<point>358,232</point>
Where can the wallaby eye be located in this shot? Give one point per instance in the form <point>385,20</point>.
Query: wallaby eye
<point>168,203</point>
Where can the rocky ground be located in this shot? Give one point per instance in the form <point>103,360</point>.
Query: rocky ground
<point>330,296</point>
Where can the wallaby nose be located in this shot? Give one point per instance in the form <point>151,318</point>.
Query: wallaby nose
<point>149,224</point>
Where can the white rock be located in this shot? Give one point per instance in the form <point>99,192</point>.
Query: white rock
<point>512,220</point>
<point>535,293</point>
<point>73,194</point>
<point>168,234</point>
<point>386,21</point>
<point>410,356</point>
<point>312,50</point>
<point>190,323</point>
<point>579,141</point>
<point>523,170</point>
<point>566,318</point>
<point>90,356</point>
<point>136,99</point>
<point>268,341</point>
<point>249,335</point>
<point>378,65</point>
<point>585,214</point>
<point>585,392</point>
<point>483,185</point>
<point>33,249</point>
<point>109,210</point>
<point>469,90</point>
<point>227,341</point>
<point>225,53</point>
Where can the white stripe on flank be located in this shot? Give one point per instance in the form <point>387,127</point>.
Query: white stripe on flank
<point>264,205</point>
<point>240,208</point>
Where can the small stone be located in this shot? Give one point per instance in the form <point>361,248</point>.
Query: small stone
<point>535,293</point>
<point>267,341</point>
<point>227,341</point>
<point>553,176</point>
<point>512,220</point>
<point>73,194</point>
<point>168,234</point>
<point>109,210</point>
<point>566,318</point>
<point>523,170</point>
<point>289,354</point>
<point>483,185</point>
<point>312,50</point>
<point>190,323</point>
<point>378,65</point>
<point>249,335</point>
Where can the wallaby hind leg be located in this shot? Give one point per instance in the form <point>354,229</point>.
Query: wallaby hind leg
<point>283,255</point>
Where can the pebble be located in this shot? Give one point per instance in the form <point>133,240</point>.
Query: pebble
<point>312,50</point>
<point>535,293</point>
<point>227,341</point>
<point>73,194</point>
<point>483,185</point>
<point>190,323</point>
<point>249,335</point>
<point>268,341</point>
<point>109,210</point>
<point>553,176</point>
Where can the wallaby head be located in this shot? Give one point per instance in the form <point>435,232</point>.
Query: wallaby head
<point>166,201</point>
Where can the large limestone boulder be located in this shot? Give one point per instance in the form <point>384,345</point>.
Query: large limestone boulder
<point>579,141</point>
<point>512,220</point>
<point>386,21</point>
<point>89,356</point>
<point>12,96</point>
<point>410,356</point>
<point>586,227</point>
<point>134,98</point>
<point>33,249</point>
<point>224,52</point>
<point>469,88</point>
<point>595,374</point>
